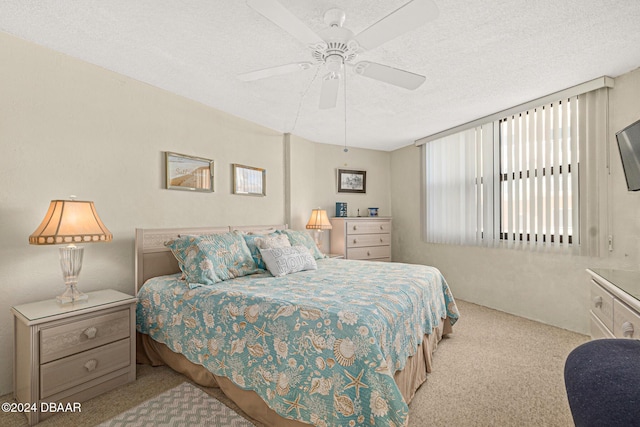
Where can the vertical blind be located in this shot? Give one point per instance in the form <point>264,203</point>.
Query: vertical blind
<point>459,173</point>
<point>539,174</point>
<point>532,179</point>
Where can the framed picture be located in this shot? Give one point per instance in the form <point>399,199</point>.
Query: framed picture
<point>188,172</point>
<point>249,181</point>
<point>351,181</point>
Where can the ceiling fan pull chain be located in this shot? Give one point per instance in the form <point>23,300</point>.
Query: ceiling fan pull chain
<point>344,75</point>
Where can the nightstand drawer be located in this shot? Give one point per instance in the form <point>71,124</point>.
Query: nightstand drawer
<point>368,240</point>
<point>65,373</point>
<point>81,335</point>
<point>370,253</point>
<point>602,305</point>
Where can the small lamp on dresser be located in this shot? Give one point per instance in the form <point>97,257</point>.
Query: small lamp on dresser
<point>318,222</point>
<point>70,222</point>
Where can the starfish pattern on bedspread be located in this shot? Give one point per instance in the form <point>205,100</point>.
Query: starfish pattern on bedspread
<point>318,346</point>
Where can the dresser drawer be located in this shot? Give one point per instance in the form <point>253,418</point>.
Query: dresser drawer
<point>602,305</point>
<point>370,253</point>
<point>81,335</point>
<point>65,373</point>
<point>368,227</point>
<point>360,240</point>
<point>626,322</point>
<point>597,329</point>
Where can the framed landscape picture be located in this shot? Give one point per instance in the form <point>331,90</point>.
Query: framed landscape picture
<point>188,173</point>
<point>352,181</point>
<point>249,181</point>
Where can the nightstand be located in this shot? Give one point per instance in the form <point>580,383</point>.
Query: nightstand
<point>74,352</point>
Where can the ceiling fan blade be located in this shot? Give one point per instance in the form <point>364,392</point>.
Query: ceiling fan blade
<point>406,18</point>
<point>274,71</point>
<point>389,75</point>
<point>282,17</point>
<point>329,92</point>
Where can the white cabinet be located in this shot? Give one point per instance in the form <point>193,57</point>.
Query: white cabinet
<point>71,353</point>
<point>364,238</point>
<point>615,304</point>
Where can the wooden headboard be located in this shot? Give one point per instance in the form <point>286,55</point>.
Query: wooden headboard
<point>154,259</point>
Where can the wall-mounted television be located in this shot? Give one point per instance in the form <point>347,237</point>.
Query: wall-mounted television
<point>629,146</point>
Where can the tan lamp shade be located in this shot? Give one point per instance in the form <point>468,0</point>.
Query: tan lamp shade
<point>68,222</point>
<point>319,220</point>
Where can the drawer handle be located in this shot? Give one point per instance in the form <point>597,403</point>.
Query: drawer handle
<point>91,332</point>
<point>368,253</point>
<point>355,227</point>
<point>91,365</point>
<point>627,329</point>
<point>381,240</point>
<point>355,241</point>
<point>597,302</point>
<point>381,228</point>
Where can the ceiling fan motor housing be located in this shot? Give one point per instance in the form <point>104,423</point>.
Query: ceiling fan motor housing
<point>340,48</point>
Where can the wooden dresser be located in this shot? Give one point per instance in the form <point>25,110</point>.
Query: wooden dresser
<point>365,238</point>
<point>71,353</point>
<point>615,303</point>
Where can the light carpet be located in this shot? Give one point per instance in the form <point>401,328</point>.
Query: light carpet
<point>184,405</point>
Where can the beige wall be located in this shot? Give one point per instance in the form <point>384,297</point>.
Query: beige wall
<point>313,180</point>
<point>546,287</point>
<point>67,127</point>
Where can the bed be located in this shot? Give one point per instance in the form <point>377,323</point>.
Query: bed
<point>343,343</point>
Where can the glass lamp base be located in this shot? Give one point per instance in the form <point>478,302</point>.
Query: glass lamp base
<point>71,295</point>
<point>71,263</point>
<point>317,237</point>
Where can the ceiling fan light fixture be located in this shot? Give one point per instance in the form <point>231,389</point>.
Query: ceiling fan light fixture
<point>334,63</point>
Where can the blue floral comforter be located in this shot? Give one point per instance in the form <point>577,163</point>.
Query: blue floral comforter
<point>318,346</point>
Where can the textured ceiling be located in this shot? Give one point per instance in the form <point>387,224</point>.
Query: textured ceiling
<point>479,57</point>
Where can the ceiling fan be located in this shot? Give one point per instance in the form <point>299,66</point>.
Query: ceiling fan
<point>336,47</point>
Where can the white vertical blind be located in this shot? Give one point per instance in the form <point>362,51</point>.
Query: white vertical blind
<point>459,173</point>
<point>593,129</point>
<point>538,186</point>
<point>535,182</point>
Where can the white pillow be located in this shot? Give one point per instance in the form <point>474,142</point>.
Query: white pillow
<point>270,242</point>
<point>286,260</point>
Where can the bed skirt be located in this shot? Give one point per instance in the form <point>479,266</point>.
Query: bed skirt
<point>409,379</point>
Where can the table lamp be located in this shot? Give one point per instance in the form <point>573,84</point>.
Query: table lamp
<point>318,222</point>
<point>69,222</point>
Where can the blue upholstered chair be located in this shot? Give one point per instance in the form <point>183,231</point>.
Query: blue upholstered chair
<point>602,378</point>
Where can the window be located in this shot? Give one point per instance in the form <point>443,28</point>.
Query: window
<point>459,175</point>
<point>527,178</point>
<point>539,164</point>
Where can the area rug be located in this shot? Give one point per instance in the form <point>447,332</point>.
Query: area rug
<point>183,405</point>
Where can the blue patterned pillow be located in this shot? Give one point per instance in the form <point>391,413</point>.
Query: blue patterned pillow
<point>303,238</point>
<point>193,262</point>
<point>209,259</point>
<point>257,241</point>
